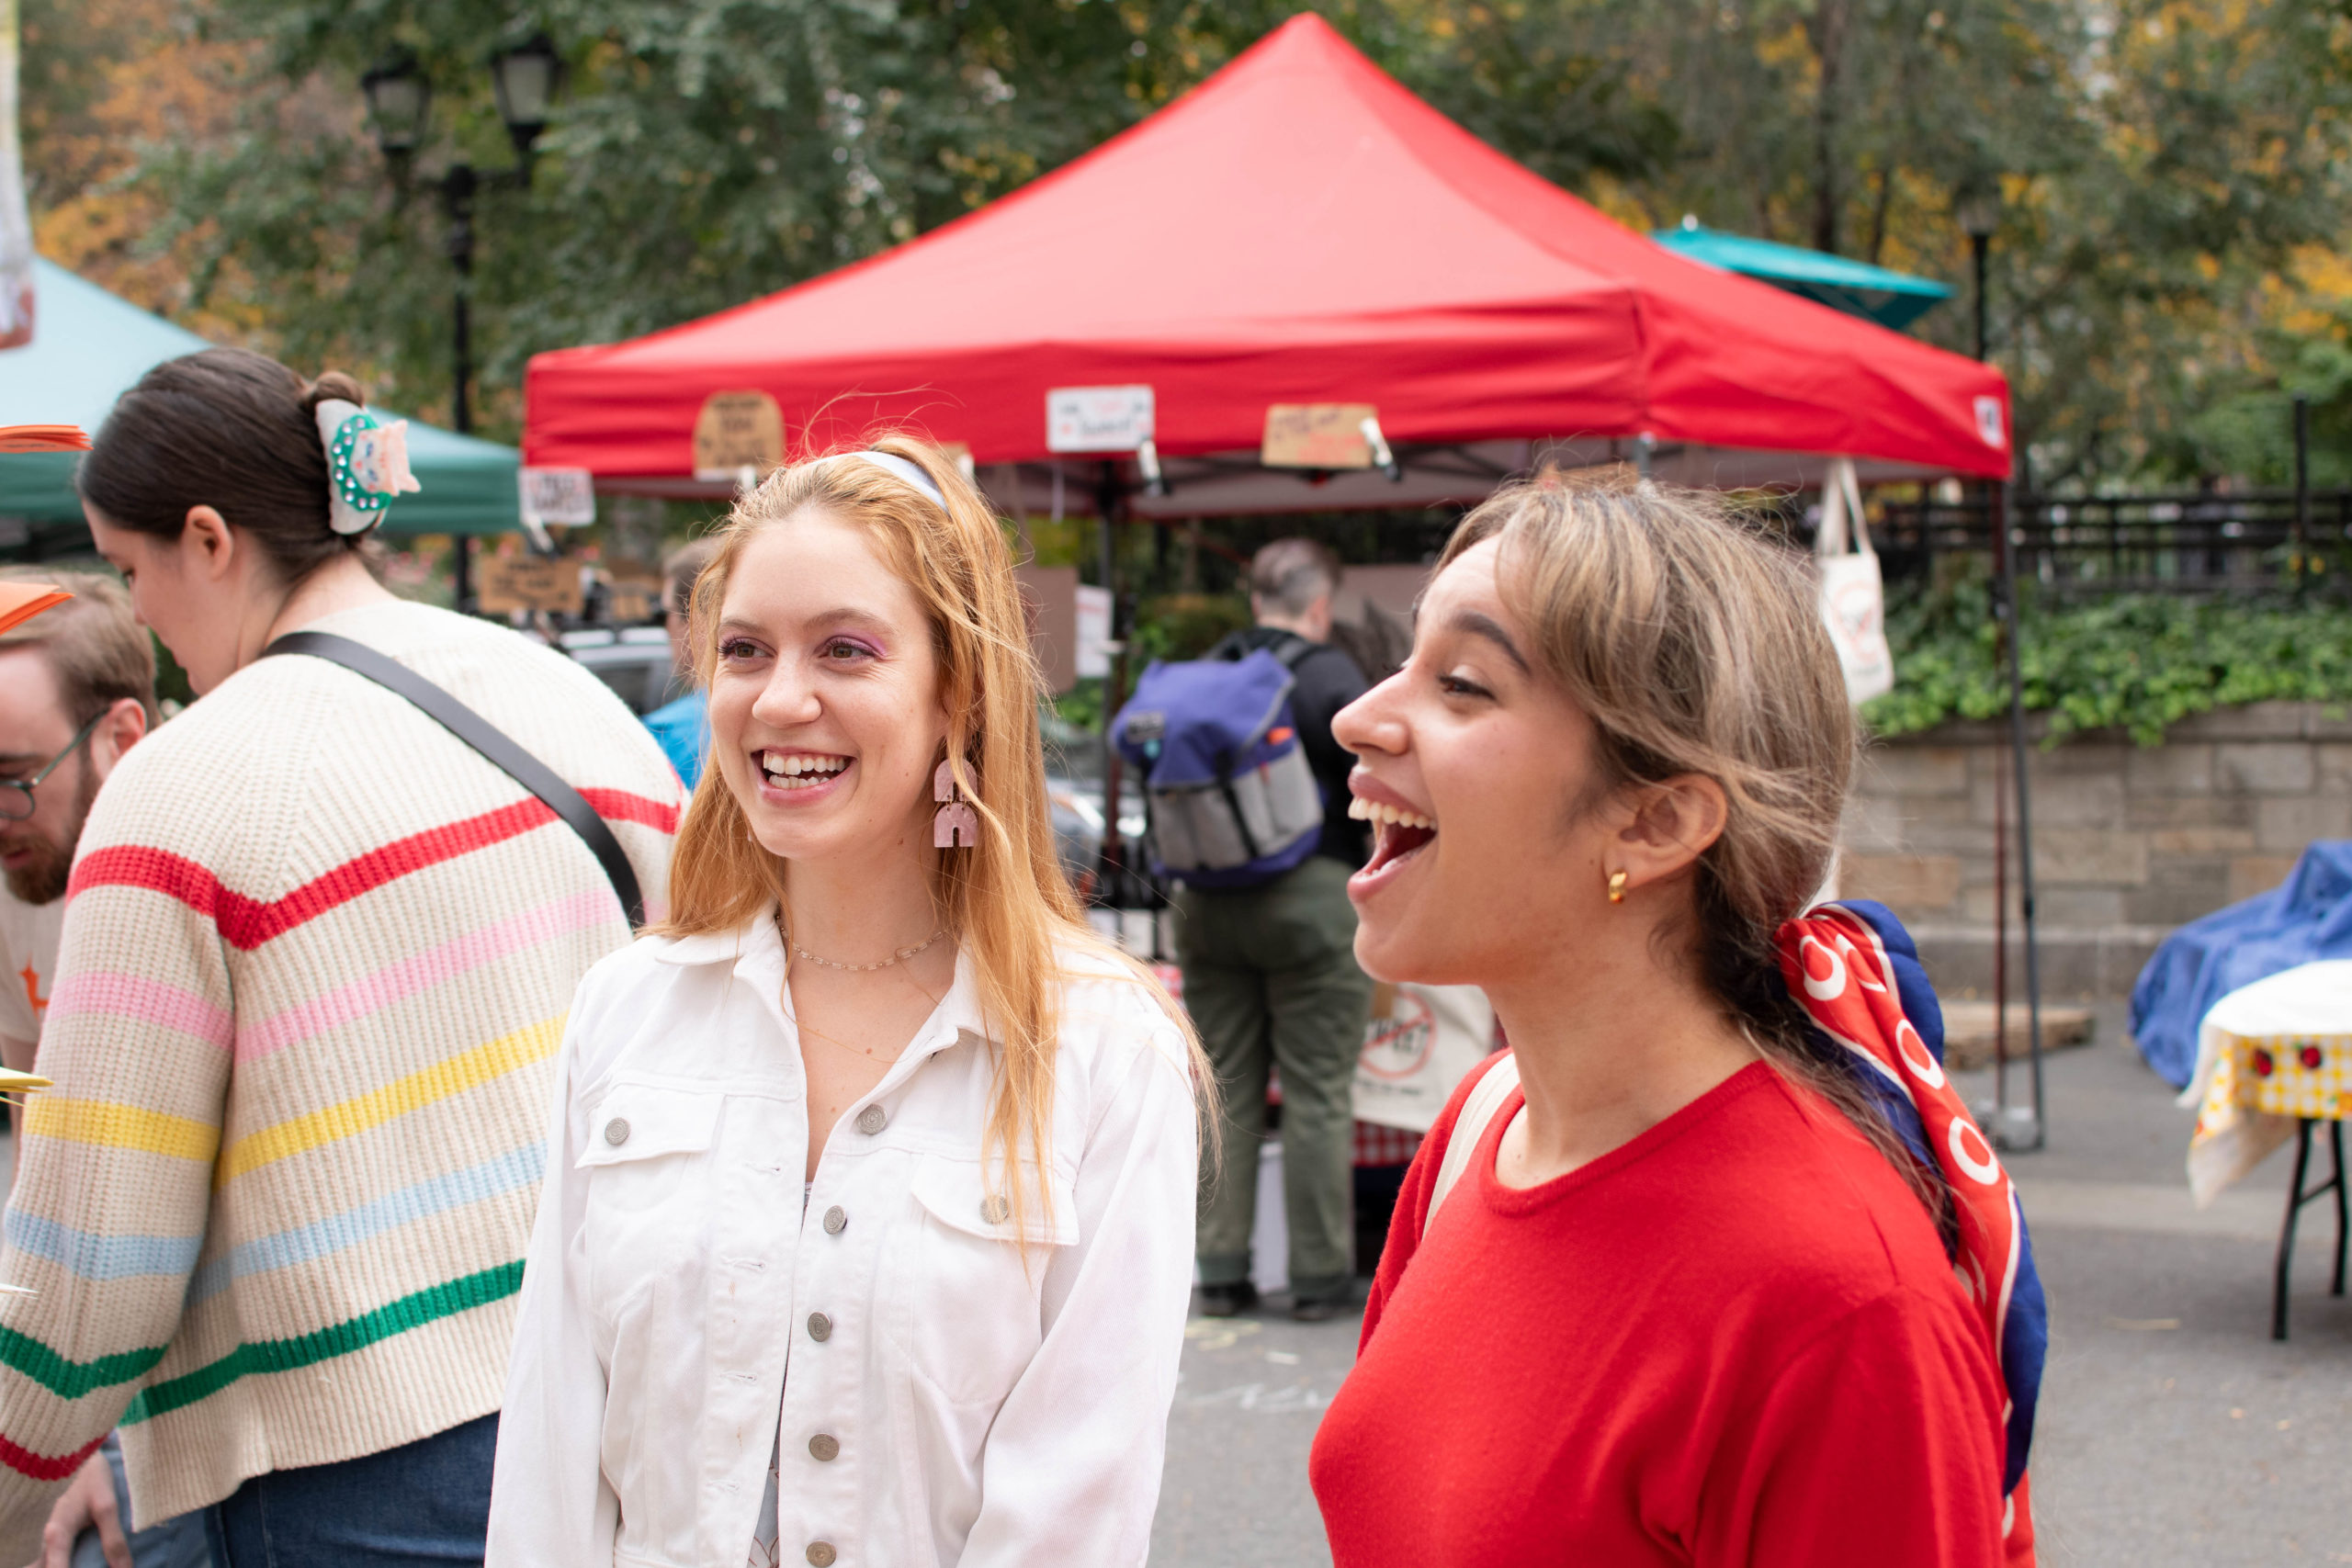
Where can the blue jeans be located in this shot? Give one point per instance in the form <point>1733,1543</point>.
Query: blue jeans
<point>423,1505</point>
<point>173,1543</point>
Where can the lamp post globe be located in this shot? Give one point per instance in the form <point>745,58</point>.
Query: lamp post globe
<point>1978,209</point>
<point>522,79</point>
<point>399,98</point>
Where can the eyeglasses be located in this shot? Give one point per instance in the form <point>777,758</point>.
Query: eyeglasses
<point>16,794</point>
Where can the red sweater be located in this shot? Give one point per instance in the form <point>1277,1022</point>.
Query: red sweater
<point>1735,1341</point>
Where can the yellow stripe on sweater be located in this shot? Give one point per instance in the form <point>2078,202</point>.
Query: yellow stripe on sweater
<point>117,1126</point>
<point>533,1042</point>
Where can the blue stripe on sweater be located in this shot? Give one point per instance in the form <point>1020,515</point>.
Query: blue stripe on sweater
<point>508,1173</point>
<point>93,1257</point>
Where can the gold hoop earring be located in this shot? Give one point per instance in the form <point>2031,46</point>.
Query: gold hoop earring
<point>1616,887</point>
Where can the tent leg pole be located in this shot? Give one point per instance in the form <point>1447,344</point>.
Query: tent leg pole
<point>2039,1135</point>
<point>462,573</point>
<point>1109,497</point>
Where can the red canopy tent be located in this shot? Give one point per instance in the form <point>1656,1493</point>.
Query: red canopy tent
<point>1299,228</point>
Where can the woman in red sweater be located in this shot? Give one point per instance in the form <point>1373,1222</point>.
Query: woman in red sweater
<point>1724,1278</point>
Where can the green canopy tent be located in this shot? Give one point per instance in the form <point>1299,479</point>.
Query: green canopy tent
<point>1893,299</point>
<point>89,346</point>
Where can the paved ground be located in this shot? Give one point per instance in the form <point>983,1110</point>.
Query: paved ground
<point>2173,1433</point>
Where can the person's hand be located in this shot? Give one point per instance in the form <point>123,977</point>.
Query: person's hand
<point>87,1502</point>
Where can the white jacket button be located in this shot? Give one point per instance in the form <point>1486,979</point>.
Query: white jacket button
<point>872,1120</point>
<point>820,1327</point>
<point>616,1131</point>
<point>995,1209</point>
<point>836,1221</point>
<point>822,1554</point>
<point>825,1447</point>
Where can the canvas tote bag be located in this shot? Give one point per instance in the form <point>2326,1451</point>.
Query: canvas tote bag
<point>1853,596</point>
<point>1419,1042</point>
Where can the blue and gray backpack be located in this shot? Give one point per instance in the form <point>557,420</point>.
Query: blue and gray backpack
<point>1228,792</point>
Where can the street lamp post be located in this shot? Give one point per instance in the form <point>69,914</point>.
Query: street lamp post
<point>523,81</point>
<point>1978,209</point>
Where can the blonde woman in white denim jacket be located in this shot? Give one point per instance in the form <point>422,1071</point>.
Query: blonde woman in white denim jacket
<point>866,1235</point>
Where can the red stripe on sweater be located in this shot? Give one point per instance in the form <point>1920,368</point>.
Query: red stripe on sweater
<point>620,806</point>
<point>246,923</point>
<point>41,1466</point>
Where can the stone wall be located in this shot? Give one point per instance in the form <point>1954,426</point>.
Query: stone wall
<point>2129,842</point>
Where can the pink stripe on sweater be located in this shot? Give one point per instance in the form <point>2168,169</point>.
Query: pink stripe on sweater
<point>405,978</point>
<point>148,1001</point>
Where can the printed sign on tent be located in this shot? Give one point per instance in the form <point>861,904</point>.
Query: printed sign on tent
<point>737,431</point>
<point>1988,421</point>
<point>1097,419</point>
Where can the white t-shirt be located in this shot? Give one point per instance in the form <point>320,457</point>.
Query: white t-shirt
<point>28,963</point>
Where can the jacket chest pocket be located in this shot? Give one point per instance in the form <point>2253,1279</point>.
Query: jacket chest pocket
<point>970,1312</point>
<point>650,1164</point>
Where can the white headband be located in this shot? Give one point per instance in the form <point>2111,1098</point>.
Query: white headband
<point>367,465</point>
<point>890,462</point>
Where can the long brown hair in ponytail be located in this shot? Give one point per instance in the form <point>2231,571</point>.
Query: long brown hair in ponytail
<point>1695,646</point>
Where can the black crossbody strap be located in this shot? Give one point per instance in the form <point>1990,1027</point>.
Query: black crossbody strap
<point>486,737</point>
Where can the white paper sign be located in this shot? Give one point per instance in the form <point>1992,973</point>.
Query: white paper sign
<point>1097,419</point>
<point>567,496</point>
<point>1094,631</point>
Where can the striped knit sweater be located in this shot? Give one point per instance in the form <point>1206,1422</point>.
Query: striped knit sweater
<point>317,955</point>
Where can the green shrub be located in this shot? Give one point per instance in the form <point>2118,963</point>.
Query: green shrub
<point>2137,662</point>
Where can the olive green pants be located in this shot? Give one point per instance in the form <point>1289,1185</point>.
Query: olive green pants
<point>1271,981</point>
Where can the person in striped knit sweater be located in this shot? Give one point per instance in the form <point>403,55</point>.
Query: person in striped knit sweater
<point>316,959</point>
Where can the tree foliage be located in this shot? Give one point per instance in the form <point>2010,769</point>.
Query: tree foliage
<point>2163,278</point>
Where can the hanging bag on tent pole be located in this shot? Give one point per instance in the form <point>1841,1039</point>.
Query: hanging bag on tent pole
<point>1231,800</point>
<point>1853,596</point>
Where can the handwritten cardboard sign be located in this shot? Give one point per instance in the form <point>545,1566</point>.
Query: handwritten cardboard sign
<point>737,431</point>
<point>1317,435</point>
<point>530,583</point>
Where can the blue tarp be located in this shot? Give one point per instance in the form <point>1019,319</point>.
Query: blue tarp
<point>2307,918</point>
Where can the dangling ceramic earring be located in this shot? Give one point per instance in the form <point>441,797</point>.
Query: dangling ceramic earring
<point>956,825</point>
<point>1616,887</point>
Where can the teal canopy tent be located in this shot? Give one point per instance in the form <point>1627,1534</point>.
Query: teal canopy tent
<point>89,346</point>
<point>1893,299</point>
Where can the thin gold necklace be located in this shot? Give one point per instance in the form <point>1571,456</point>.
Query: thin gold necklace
<point>816,1033</point>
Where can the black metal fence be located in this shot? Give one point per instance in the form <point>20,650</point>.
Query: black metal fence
<point>2199,542</point>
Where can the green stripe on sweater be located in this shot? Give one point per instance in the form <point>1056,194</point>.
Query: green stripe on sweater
<point>415,1311</point>
<point>71,1379</point>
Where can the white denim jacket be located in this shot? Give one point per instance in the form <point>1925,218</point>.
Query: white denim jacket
<point>979,1407</point>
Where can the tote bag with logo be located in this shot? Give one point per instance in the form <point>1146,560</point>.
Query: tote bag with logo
<point>1419,1042</point>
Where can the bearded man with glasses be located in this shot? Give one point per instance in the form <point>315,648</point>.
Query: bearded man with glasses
<point>78,690</point>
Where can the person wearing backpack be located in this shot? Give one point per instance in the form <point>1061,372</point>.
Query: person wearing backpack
<point>1270,970</point>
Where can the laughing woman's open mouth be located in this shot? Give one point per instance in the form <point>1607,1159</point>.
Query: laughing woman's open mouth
<point>1399,835</point>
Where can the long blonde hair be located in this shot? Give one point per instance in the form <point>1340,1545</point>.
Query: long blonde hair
<point>1006,898</point>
